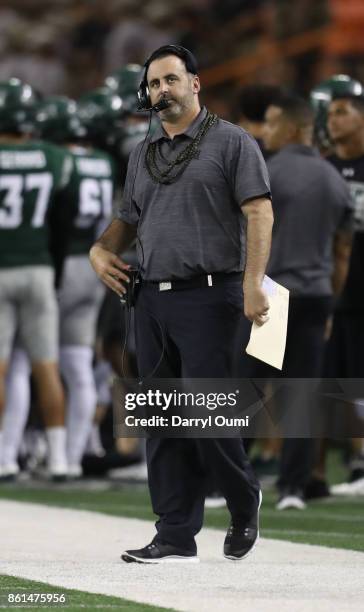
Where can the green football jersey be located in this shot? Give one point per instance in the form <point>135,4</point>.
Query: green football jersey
<point>31,175</point>
<point>89,196</point>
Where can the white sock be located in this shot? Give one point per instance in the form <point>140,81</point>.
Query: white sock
<point>76,369</point>
<point>57,457</point>
<point>16,407</point>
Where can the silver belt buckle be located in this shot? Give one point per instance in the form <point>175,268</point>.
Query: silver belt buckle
<point>165,286</point>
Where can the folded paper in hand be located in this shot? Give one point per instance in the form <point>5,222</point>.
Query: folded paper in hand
<point>268,342</point>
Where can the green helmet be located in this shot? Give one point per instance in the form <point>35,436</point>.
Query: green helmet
<point>337,86</point>
<point>57,120</point>
<point>100,110</point>
<point>129,135</point>
<point>126,137</point>
<point>125,82</point>
<point>17,103</point>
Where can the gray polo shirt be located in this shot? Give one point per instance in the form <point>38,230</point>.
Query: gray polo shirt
<point>311,202</point>
<point>194,225</point>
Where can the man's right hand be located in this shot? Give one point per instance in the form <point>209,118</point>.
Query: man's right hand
<point>110,269</point>
<point>256,304</point>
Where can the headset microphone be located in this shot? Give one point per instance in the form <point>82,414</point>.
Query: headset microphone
<point>160,105</point>
<point>157,107</point>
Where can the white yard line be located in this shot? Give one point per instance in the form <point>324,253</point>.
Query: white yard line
<point>81,550</point>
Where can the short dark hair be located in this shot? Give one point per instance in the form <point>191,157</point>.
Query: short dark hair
<point>356,101</point>
<point>184,54</point>
<point>296,108</point>
<point>255,99</point>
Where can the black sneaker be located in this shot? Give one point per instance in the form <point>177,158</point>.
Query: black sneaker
<point>357,467</point>
<point>157,552</point>
<point>316,488</point>
<point>356,474</point>
<point>240,541</point>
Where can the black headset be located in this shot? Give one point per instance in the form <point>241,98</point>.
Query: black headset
<point>144,101</point>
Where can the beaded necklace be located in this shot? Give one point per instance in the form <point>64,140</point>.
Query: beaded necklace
<point>176,167</point>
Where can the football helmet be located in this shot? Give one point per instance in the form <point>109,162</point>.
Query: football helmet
<point>126,82</point>
<point>337,86</point>
<point>100,110</point>
<point>17,104</point>
<point>57,120</point>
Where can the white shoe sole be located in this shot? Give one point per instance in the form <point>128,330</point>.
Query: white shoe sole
<point>170,559</point>
<point>12,469</point>
<point>231,557</point>
<point>291,503</point>
<point>137,472</point>
<point>348,488</point>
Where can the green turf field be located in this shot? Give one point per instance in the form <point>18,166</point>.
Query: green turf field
<point>75,600</point>
<point>335,522</point>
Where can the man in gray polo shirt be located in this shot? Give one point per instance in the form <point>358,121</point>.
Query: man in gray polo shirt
<point>194,191</point>
<point>313,212</point>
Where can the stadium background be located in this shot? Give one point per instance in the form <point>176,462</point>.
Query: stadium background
<point>70,46</point>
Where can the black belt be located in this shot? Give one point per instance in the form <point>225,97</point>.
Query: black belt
<point>203,280</point>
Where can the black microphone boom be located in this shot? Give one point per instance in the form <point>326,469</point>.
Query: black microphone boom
<point>161,105</point>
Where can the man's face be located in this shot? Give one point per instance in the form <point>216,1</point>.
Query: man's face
<point>343,120</point>
<point>168,78</point>
<point>277,129</point>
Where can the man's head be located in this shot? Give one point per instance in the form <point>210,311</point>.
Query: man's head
<point>252,105</point>
<point>289,120</point>
<point>171,73</point>
<point>337,86</point>
<point>345,119</point>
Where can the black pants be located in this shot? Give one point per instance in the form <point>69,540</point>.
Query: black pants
<point>197,328</point>
<point>303,359</point>
<point>344,350</point>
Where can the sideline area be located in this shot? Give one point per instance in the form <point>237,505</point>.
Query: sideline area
<point>81,550</point>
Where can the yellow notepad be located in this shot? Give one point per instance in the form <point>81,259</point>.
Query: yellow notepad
<point>268,342</point>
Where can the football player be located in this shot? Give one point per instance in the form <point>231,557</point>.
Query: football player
<point>31,175</point>
<point>339,127</point>
<point>87,207</point>
<point>345,124</point>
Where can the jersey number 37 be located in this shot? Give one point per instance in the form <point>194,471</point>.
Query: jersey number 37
<point>16,188</point>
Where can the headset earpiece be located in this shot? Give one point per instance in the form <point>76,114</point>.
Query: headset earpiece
<point>144,101</point>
